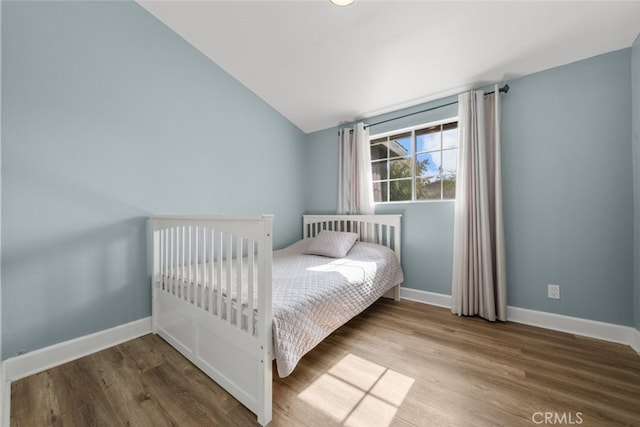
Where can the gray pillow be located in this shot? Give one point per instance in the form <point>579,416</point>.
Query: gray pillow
<point>334,244</point>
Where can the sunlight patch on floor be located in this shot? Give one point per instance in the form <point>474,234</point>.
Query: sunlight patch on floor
<point>357,392</point>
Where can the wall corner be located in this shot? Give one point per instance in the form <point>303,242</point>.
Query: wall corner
<point>635,143</point>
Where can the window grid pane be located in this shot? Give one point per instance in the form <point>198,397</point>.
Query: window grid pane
<point>449,187</point>
<point>400,190</point>
<point>400,168</point>
<point>416,165</point>
<point>400,145</point>
<point>379,170</point>
<point>380,192</point>
<point>379,151</point>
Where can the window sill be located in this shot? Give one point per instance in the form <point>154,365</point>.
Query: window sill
<point>413,202</point>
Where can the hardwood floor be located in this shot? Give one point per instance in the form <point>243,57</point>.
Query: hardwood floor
<point>398,363</point>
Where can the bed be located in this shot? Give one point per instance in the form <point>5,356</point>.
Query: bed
<point>230,304</point>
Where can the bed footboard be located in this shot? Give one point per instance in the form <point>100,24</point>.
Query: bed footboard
<point>212,300</point>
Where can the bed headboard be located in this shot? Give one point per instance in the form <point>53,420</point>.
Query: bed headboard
<point>381,229</point>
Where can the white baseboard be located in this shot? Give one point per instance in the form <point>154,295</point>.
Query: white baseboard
<point>572,325</point>
<point>635,340</point>
<point>557,322</point>
<point>48,357</point>
<point>431,298</point>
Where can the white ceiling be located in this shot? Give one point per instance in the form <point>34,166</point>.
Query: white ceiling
<point>321,65</point>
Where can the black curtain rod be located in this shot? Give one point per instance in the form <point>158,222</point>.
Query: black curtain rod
<point>503,89</point>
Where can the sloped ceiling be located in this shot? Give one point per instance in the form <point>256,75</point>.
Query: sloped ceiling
<point>321,65</point>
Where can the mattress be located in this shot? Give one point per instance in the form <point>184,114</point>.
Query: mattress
<point>191,289</point>
<point>315,295</point>
<point>312,295</point>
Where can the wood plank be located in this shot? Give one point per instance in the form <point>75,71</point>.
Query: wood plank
<point>453,371</point>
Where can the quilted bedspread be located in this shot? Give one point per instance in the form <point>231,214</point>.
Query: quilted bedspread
<point>315,295</point>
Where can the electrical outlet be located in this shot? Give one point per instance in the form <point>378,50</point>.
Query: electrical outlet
<point>553,291</point>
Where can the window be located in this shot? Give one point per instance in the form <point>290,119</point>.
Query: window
<point>416,164</point>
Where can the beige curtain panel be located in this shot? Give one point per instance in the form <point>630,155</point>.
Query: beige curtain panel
<point>479,285</point>
<point>355,188</point>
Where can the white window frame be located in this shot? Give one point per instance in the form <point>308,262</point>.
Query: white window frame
<point>412,130</point>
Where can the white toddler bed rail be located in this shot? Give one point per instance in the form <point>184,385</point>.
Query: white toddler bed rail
<point>212,292</point>
<point>212,300</point>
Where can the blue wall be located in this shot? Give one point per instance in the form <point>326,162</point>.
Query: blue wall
<point>109,117</point>
<point>567,192</point>
<point>635,114</point>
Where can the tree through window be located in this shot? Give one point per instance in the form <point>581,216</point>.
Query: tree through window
<point>415,164</point>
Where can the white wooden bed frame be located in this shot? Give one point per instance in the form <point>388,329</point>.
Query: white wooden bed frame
<point>236,354</point>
